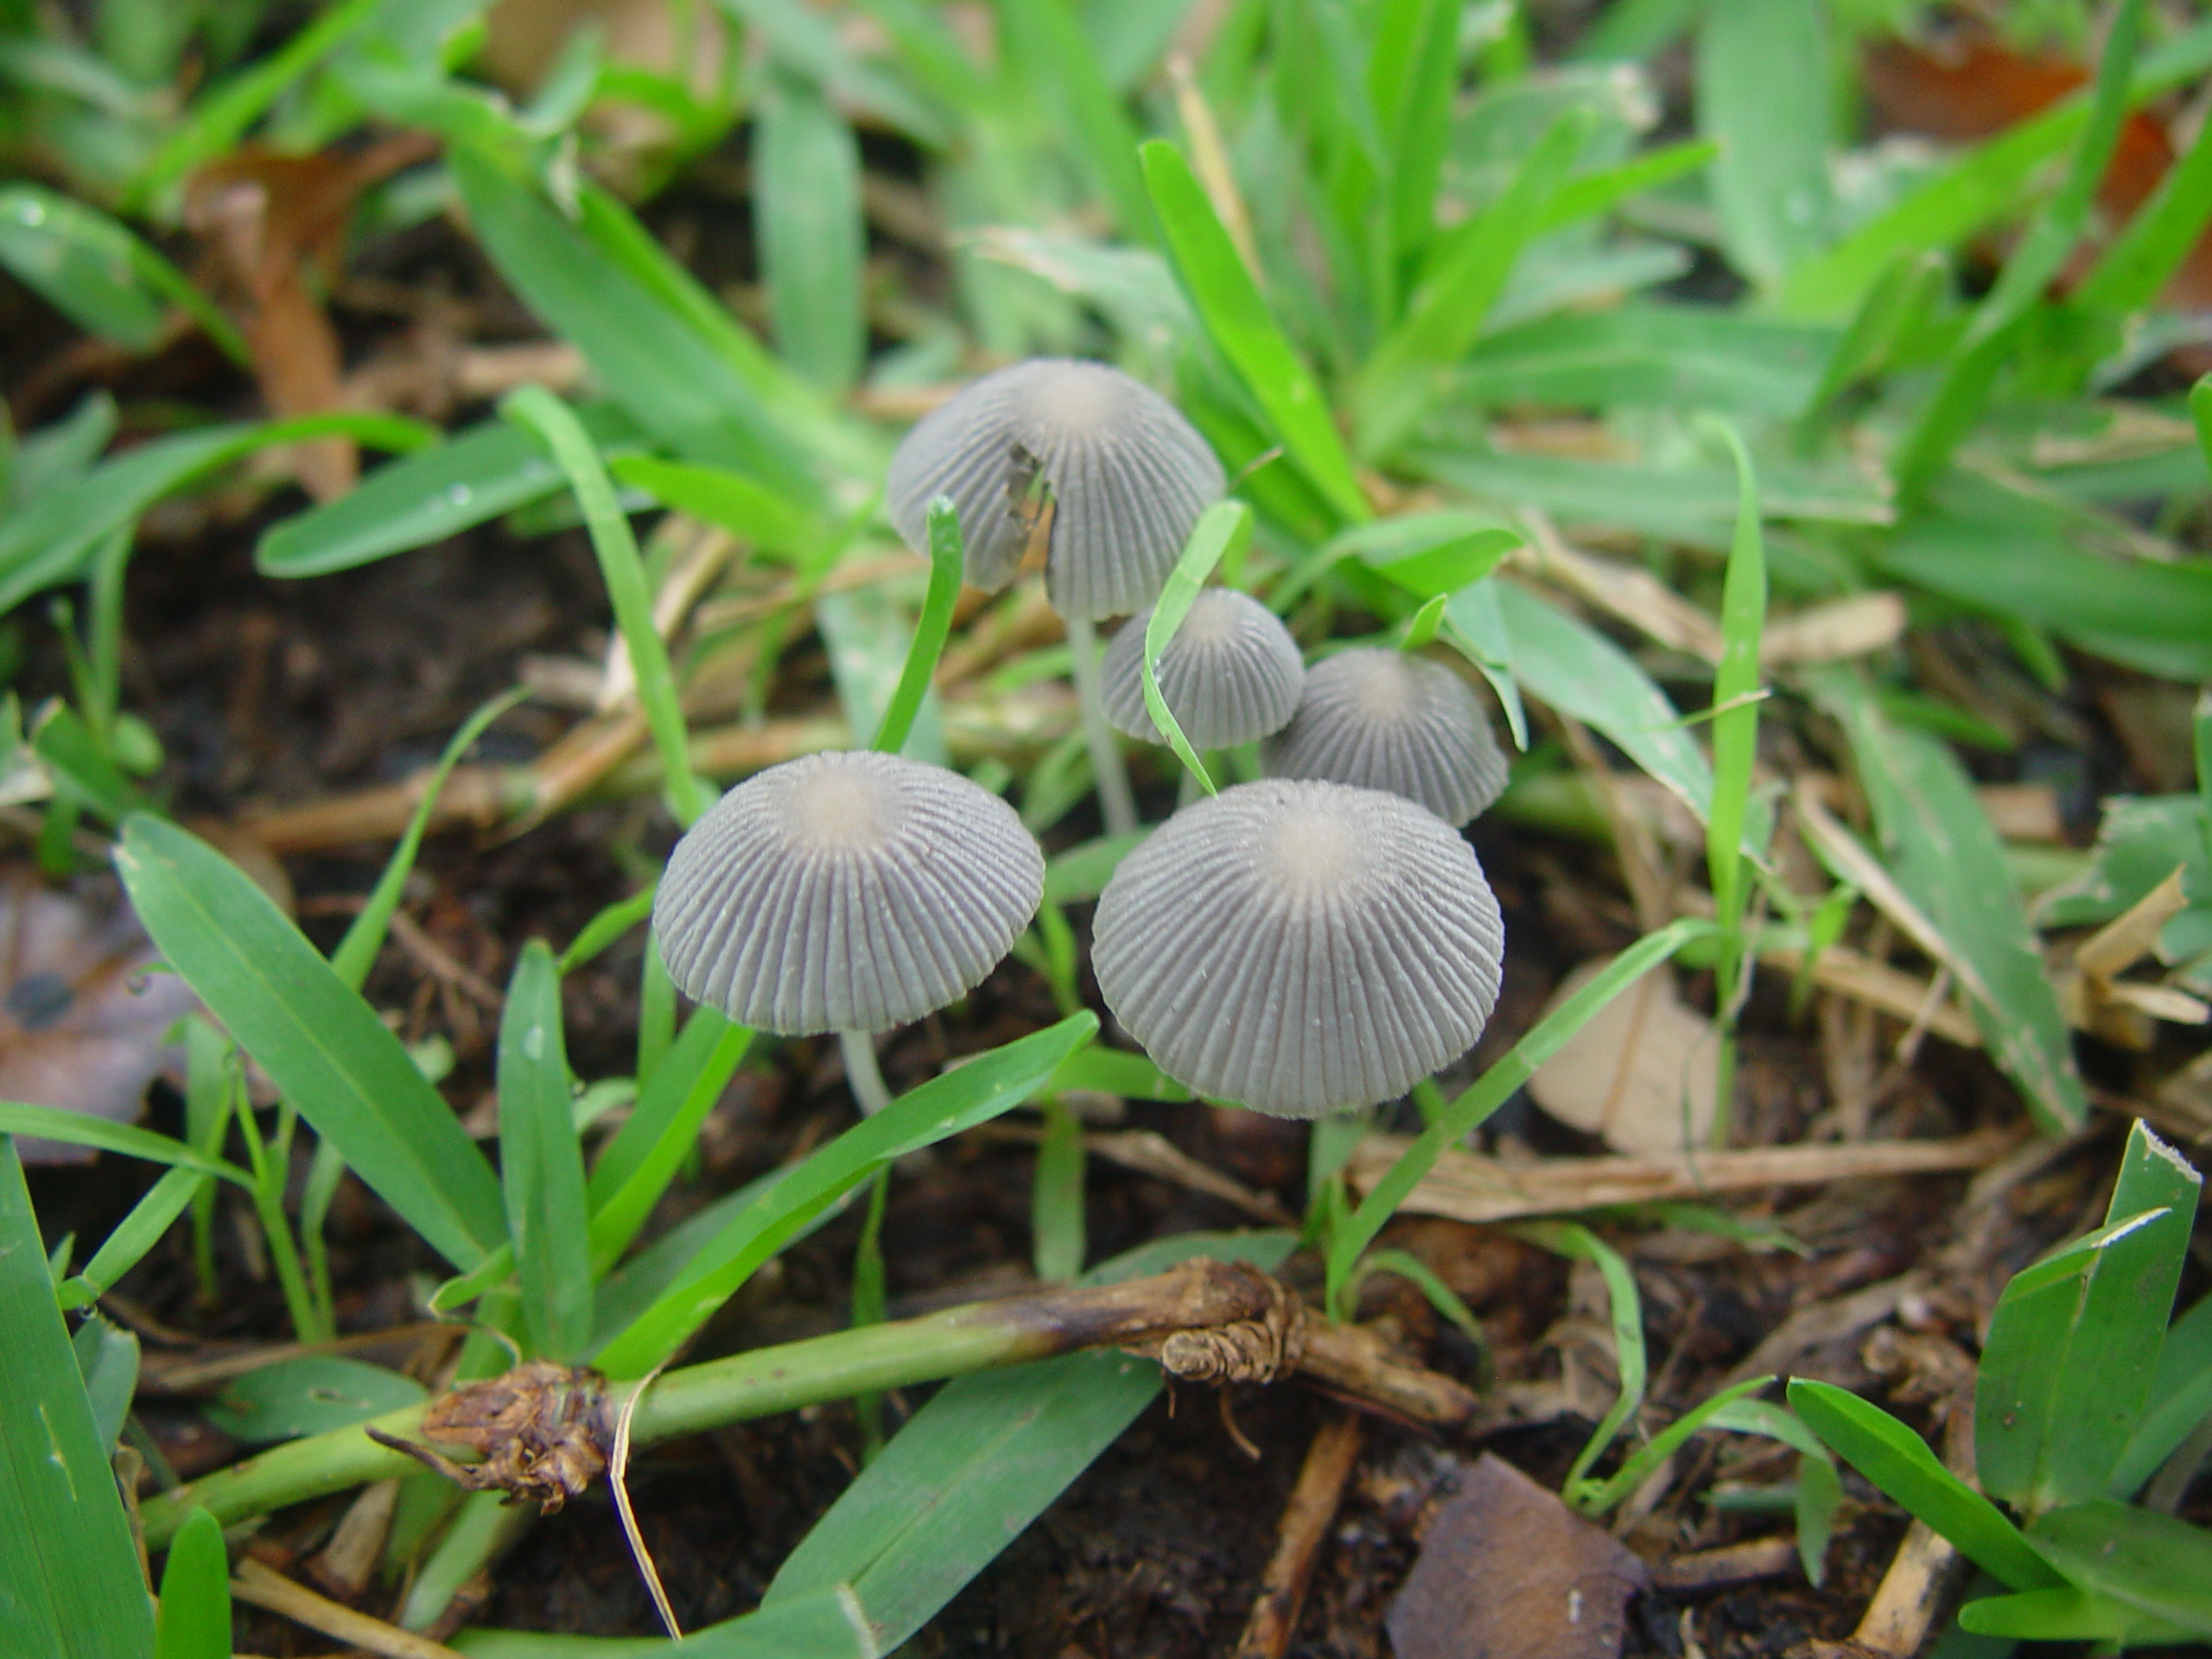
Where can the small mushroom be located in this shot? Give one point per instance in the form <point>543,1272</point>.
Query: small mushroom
<point>846,892</point>
<point>1390,720</point>
<point>1231,675</point>
<point>1300,947</point>
<point>1125,474</point>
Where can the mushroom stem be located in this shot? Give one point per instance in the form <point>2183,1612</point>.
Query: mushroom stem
<point>1115,799</point>
<point>862,1074</point>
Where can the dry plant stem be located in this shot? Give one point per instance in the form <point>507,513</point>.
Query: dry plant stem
<point>862,1074</point>
<point>1313,1501</point>
<point>1356,1365</point>
<point>265,1587</point>
<point>1906,1601</point>
<point>973,1338</point>
<point>1115,799</point>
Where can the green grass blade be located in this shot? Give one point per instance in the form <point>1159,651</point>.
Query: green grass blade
<point>1222,526</point>
<point>1895,305</point>
<point>135,1234</point>
<point>977,1091</point>
<point>1588,194</point>
<point>194,1621</point>
<point>97,272</point>
<point>1237,320</point>
<point>2067,1367</point>
<point>2155,1564</point>
<point>1413,71</point>
<point>82,1129</point>
<point>1625,1310</point>
<point>610,924</point>
<point>2140,260</point>
<point>555,424</point>
<point>1598,1497</point>
<point>470,479</point>
<point>930,632</point>
<point>981,1461</point>
<point>635,1169</point>
<point>1491,1090</point>
<point>308,1394</point>
<point>1769,181</point>
<point>1939,845</point>
<point>69,1581</point>
<point>1048,50</point>
<point>730,500</point>
<point>541,1165</point>
<point>1899,1461</point>
<point>2065,1614</point>
<point>806,216</point>
<point>320,1043</point>
<point>357,952</point>
<point>2200,412</point>
<point>2180,1399</point>
<point>1735,695</point>
<point>107,1362</point>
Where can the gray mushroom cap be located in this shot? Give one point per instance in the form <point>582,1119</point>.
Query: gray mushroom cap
<point>1129,477</point>
<point>1231,675</point>
<point>849,891</point>
<point>1386,719</point>
<point>1300,947</point>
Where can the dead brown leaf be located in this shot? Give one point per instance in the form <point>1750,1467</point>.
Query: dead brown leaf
<point>1643,1072</point>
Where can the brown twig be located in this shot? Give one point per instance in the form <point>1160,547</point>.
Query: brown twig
<point>1329,1463</point>
<point>264,1587</point>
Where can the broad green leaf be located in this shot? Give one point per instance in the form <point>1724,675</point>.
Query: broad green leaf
<point>194,1620</point>
<point>68,1566</point>
<point>806,216</point>
<point>665,374</point>
<point>637,1164</point>
<point>92,269</point>
<point>1899,1461</point>
<point>2067,1613</point>
<point>1570,666</point>
<point>2180,1398</point>
<point>981,1461</point>
<point>308,1395</point>
<point>52,539</point>
<point>2155,1564</point>
<point>1770,182</point>
<point>982,1089</point>
<point>1237,318</point>
<point>541,1165</point>
<point>107,1362</point>
<point>321,1044</point>
<point>2067,1365</point>
<point>1941,848</point>
<point>470,479</point>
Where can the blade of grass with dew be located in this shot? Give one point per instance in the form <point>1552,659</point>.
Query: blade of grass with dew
<point>148,1220</point>
<point>1221,526</point>
<point>2153,1564</point>
<point>468,479</point>
<point>195,1617</point>
<point>555,424</point>
<point>1970,375</point>
<point>946,558</point>
<point>66,1554</point>
<point>1466,270</point>
<point>1491,1090</point>
<point>320,1043</point>
<point>50,540</point>
<point>667,375</point>
<point>1939,845</point>
<point>541,1167</point>
<point>982,1460</point>
<point>97,272</point>
<point>1898,1462</point>
<point>1625,1312</point>
<point>2180,1400</point>
<point>730,500</point>
<point>643,1158</point>
<point>357,952</point>
<point>1770,182</point>
<point>2067,1366</point>
<point>806,219</point>
<point>1236,319</point>
<point>1597,1496</point>
<point>981,1089</point>
<point>1735,754</point>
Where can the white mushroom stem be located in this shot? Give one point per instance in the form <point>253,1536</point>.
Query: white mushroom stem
<point>1106,768</point>
<point>862,1074</point>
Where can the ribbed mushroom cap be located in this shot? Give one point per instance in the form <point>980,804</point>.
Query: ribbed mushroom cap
<point>1231,675</point>
<point>1390,720</point>
<point>849,891</point>
<point>1300,947</point>
<point>1128,476</point>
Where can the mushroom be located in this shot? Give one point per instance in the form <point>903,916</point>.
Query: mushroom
<point>1300,947</point>
<point>849,892</point>
<point>1384,719</point>
<point>1122,475</point>
<point>1231,674</point>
